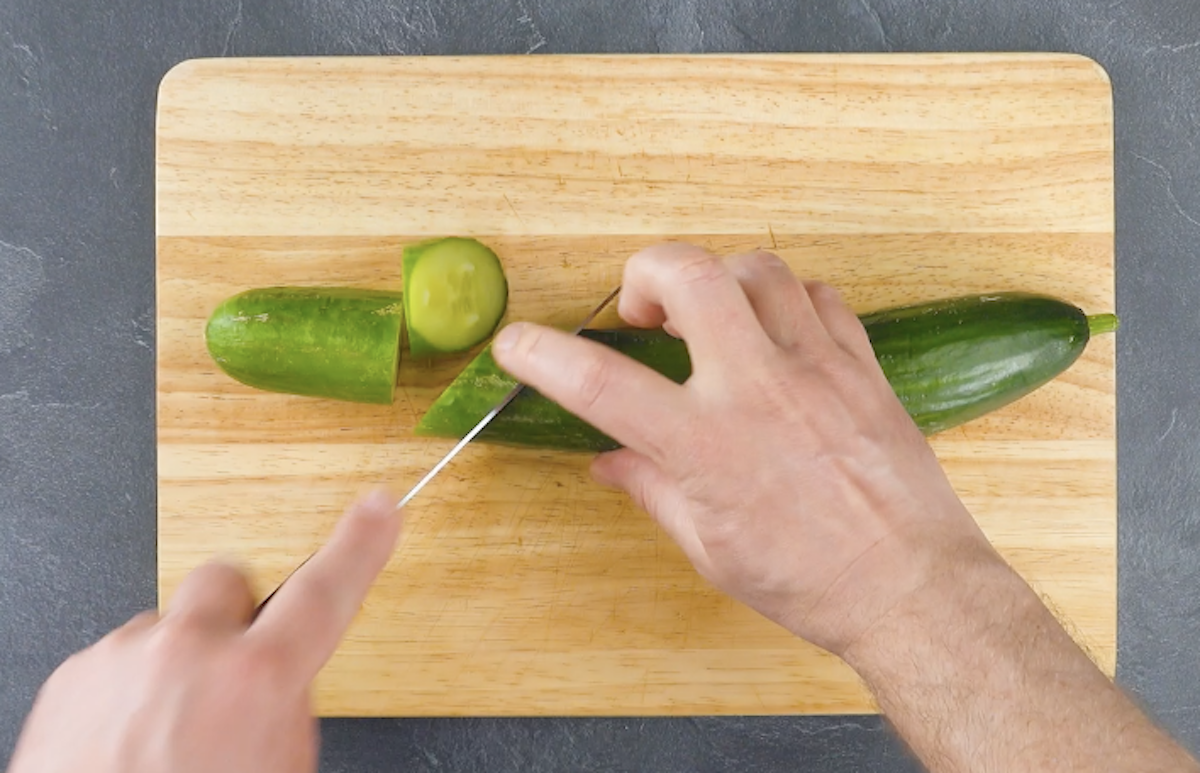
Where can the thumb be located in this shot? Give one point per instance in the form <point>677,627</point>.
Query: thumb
<point>654,491</point>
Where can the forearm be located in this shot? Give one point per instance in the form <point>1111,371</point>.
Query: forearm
<point>977,675</point>
<point>790,475</point>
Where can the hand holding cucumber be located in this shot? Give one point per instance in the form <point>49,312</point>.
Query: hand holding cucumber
<point>785,467</point>
<point>789,471</point>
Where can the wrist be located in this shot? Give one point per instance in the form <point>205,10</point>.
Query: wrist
<point>966,589</point>
<point>888,584</point>
<point>976,673</point>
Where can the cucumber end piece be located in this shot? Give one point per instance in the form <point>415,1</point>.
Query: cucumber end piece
<point>335,343</point>
<point>1099,324</point>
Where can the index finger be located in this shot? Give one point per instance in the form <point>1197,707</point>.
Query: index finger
<point>628,401</point>
<point>700,296</point>
<point>311,611</point>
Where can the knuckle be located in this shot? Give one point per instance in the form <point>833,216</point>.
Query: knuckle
<point>817,286</point>
<point>529,341</point>
<point>662,256</point>
<point>593,379</point>
<point>765,259</point>
<point>749,265</point>
<point>699,267</point>
<point>824,293</point>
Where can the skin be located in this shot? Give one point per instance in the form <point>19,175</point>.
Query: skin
<point>203,688</point>
<point>787,471</point>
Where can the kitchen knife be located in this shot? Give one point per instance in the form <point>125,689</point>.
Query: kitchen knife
<point>461,444</point>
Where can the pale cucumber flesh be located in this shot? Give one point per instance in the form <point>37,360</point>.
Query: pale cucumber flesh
<point>455,295</point>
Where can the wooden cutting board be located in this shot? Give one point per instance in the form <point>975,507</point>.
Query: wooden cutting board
<point>522,588</point>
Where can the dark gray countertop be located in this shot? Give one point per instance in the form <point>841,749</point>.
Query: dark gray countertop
<point>77,485</point>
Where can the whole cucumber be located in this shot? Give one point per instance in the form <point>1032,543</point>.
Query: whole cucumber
<point>336,342</point>
<point>949,361</point>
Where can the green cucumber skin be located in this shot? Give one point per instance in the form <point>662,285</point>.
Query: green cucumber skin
<point>531,419</point>
<point>953,361</point>
<point>340,343</point>
<point>949,361</point>
<point>417,345</point>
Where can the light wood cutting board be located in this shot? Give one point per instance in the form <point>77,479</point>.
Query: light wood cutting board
<point>521,587</point>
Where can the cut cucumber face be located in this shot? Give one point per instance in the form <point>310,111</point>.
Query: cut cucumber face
<point>455,294</point>
<point>336,342</point>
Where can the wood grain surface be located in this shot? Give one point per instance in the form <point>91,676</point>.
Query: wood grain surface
<point>520,587</point>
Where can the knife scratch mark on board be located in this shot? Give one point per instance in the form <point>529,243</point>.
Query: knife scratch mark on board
<point>514,210</point>
<point>556,594</point>
<point>433,625</point>
<point>412,408</point>
<point>483,637</point>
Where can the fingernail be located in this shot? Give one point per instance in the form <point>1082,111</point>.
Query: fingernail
<point>508,337</point>
<point>380,503</point>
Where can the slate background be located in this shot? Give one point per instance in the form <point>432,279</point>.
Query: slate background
<point>77,93</point>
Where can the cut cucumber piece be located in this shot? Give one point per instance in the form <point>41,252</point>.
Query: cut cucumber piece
<point>336,342</point>
<point>455,294</point>
<point>532,419</point>
<point>949,361</point>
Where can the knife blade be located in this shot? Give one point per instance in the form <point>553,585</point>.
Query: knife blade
<point>493,413</point>
<point>461,444</point>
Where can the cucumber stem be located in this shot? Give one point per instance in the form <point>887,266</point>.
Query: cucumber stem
<point>1099,324</point>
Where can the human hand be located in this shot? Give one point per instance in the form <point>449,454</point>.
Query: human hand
<point>786,467</point>
<point>205,688</point>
